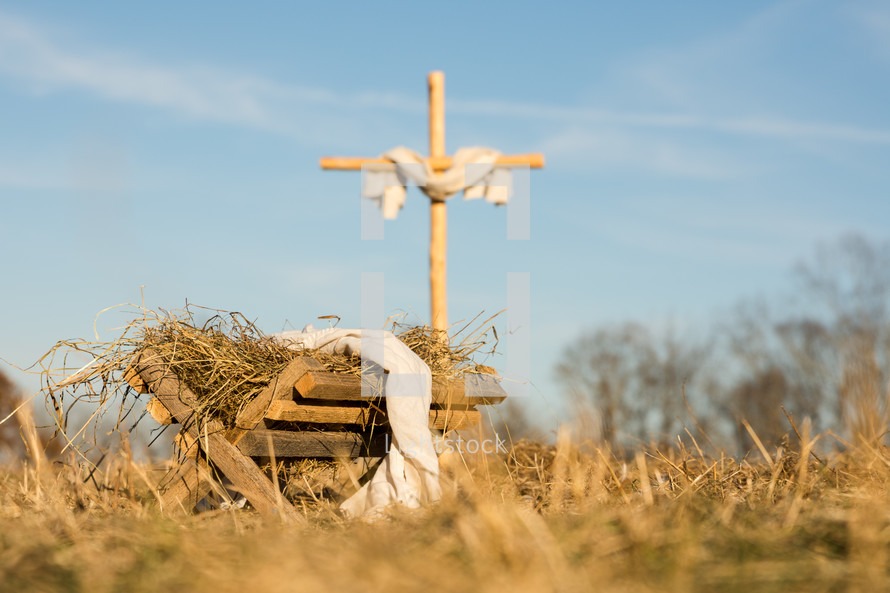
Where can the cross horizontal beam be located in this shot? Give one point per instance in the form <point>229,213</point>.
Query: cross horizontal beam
<point>534,160</point>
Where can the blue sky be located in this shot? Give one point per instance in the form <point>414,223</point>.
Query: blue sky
<point>694,153</point>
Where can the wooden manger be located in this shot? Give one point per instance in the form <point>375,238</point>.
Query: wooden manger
<point>304,412</point>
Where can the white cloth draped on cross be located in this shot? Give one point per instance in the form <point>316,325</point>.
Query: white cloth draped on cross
<point>473,171</point>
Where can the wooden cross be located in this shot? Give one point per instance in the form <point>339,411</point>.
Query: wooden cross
<point>438,162</point>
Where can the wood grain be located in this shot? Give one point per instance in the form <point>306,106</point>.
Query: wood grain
<point>311,444</point>
<point>533,160</point>
<point>325,385</point>
<point>157,411</point>
<point>131,376</point>
<point>185,485</point>
<point>291,411</point>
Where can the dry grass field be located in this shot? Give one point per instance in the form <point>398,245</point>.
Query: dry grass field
<point>807,512</point>
<point>568,517</point>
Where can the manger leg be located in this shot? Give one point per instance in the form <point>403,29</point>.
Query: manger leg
<point>247,478</point>
<point>241,470</point>
<point>186,485</point>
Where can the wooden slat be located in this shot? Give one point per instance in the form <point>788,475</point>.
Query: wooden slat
<point>187,446</point>
<point>534,160</point>
<point>281,387</point>
<point>185,485</point>
<point>157,411</point>
<point>324,384</point>
<point>472,389</point>
<point>131,376</point>
<point>438,208</point>
<point>332,386</point>
<point>454,419</point>
<point>241,470</point>
<point>291,411</point>
<point>311,444</point>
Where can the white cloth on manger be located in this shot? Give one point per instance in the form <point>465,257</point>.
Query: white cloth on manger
<point>409,473</point>
<point>473,171</point>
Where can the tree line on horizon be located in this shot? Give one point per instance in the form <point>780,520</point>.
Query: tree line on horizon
<point>821,354</point>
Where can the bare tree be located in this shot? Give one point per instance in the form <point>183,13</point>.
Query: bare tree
<point>625,382</point>
<point>12,444</point>
<point>771,365</point>
<point>849,282</point>
<point>10,440</point>
<point>850,278</point>
<point>827,358</point>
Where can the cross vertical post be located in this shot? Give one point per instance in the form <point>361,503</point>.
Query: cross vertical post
<point>438,212</point>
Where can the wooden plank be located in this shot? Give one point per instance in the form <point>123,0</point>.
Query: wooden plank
<point>533,160</point>
<point>471,389</point>
<point>338,387</point>
<point>438,266</point>
<point>436,86</point>
<point>185,485</point>
<point>291,411</point>
<point>241,470</point>
<point>438,209</point>
<point>131,376</point>
<point>323,384</point>
<point>187,446</point>
<point>157,411</point>
<point>279,388</point>
<point>454,419</point>
<point>311,444</point>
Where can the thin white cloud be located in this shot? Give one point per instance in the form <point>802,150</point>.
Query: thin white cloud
<point>617,149</point>
<point>763,126</point>
<point>27,54</point>
<point>45,65</point>
<point>686,75</point>
<point>30,55</point>
<point>799,130</point>
<point>736,236</point>
<point>726,226</point>
<point>684,78</point>
<point>16,178</point>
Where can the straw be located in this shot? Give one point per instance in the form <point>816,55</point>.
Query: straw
<point>226,361</point>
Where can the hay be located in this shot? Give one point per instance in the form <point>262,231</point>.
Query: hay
<point>226,361</point>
